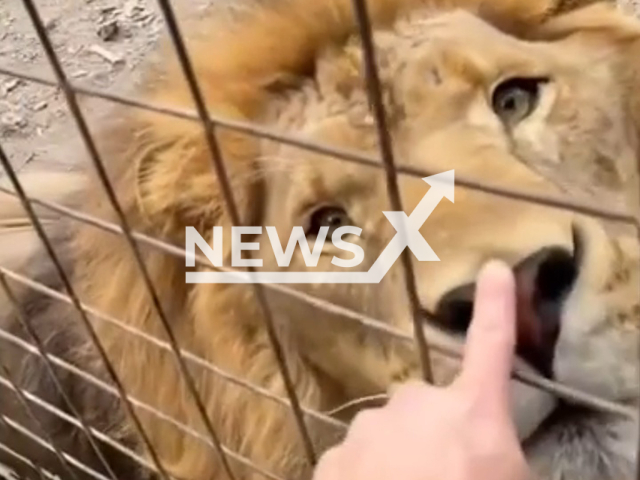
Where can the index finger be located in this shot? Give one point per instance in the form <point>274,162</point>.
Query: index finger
<point>491,338</point>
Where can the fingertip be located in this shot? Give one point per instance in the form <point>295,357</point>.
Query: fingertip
<point>329,466</point>
<point>494,302</point>
<point>495,273</point>
<point>492,334</point>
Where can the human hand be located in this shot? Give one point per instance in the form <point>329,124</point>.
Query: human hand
<point>461,432</point>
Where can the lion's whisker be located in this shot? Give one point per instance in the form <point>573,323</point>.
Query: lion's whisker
<point>362,401</point>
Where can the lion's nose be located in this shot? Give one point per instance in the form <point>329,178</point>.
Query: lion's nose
<point>544,279</point>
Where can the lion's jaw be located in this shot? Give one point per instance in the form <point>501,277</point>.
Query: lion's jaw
<point>437,88</point>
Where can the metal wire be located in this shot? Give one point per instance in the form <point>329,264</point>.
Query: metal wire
<point>210,124</point>
<point>232,209</point>
<point>42,473</point>
<point>373,324</point>
<point>72,420</point>
<point>374,93</point>
<point>12,339</point>
<point>165,247</point>
<point>638,237</point>
<point>66,458</point>
<point>164,345</point>
<point>25,323</point>
<point>528,378</point>
<point>76,303</point>
<point>34,418</point>
<point>344,154</point>
<point>99,166</point>
<point>613,408</point>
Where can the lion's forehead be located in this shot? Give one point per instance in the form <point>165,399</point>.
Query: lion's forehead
<point>421,51</point>
<point>433,67</point>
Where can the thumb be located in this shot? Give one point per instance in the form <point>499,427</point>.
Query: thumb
<point>491,338</point>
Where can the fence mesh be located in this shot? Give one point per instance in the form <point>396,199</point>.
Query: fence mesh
<point>211,125</point>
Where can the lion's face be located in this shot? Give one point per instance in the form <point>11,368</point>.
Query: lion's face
<point>463,96</point>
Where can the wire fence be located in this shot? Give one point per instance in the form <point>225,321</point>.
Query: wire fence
<point>186,360</point>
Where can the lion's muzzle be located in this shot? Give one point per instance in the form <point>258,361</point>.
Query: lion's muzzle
<point>543,281</point>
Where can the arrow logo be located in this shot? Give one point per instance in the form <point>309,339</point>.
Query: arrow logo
<point>407,236</point>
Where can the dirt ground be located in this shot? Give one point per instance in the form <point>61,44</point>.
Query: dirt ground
<point>101,44</point>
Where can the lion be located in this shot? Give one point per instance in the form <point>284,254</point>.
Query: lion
<point>535,96</point>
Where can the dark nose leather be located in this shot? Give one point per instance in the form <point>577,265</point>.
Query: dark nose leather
<point>543,281</point>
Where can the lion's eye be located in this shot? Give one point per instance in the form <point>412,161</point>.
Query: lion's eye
<point>332,217</point>
<point>515,99</point>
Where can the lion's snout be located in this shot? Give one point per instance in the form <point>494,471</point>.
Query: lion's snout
<point>544,279</point>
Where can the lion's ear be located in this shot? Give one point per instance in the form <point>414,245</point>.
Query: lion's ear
<point>176,184</point>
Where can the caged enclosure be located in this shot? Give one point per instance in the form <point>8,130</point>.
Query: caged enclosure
<point>508,129</point>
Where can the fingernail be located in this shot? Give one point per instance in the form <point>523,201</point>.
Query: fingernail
<point>497,269</point>
<point>496,287</point>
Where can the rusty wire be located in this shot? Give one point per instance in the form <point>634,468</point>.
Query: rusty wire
<point>210,124</point>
